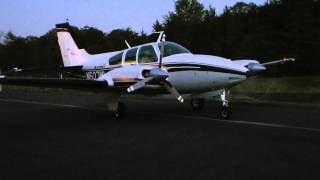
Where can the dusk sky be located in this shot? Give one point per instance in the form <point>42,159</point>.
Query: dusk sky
<point>36,17</point>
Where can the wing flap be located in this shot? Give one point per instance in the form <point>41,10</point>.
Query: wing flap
<point>79,84</point>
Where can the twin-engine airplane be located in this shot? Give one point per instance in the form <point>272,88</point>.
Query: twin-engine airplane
<point>157,68</point>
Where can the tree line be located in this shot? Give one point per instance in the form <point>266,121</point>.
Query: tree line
<point>274,30</point>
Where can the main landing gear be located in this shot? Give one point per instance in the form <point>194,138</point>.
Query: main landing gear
<point>121,111</point>
<point>117,108</point>
<point>225,112</point>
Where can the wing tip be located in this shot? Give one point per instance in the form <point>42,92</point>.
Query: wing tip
<point>289,59</point>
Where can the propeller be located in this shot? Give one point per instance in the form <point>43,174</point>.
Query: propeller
<point>158,75</point>
<point>173,91</point>
<point>140,84</point>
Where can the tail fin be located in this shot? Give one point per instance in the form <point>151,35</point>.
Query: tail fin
<point>71,54</point>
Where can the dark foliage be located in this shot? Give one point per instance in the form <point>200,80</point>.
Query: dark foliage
<point>280,28</point>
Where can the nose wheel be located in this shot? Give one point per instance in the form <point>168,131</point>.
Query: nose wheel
<point>225,112</point>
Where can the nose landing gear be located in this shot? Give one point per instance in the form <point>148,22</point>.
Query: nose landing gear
<point>197,104</point>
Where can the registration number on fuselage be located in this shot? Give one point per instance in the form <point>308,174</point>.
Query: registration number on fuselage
<point>91,75</point>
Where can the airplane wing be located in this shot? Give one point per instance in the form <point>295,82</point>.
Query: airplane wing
<point>58,83</point>
<point>255,67</point>
<point>79,84</point>
<point>282,61</point>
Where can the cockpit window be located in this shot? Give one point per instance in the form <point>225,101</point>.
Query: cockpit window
<point>131,56</point>
<point>170,48</point>
<point>116,59</point>
<point>147,54</point>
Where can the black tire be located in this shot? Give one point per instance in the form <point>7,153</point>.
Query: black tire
<point>197,104</point>
<point>225,113</point>
<point>121,112</point>
<point>116,115</point>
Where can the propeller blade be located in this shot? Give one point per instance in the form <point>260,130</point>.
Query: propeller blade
<point>156,74</point>
<point>140,84</point>
<point>173,91</point>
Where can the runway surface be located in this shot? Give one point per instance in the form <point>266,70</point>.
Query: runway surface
<point>60,136</point>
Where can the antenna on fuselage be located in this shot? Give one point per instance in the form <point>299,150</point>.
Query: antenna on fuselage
<point>163,39</point>
<point>161,33</point>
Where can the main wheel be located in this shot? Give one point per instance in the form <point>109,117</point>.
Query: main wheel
<point>197,104</point>
<point>121,111</point>
<point>225,113</point>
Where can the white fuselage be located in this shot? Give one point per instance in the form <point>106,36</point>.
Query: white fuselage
<point>189,73</point>
<point>202,73</point>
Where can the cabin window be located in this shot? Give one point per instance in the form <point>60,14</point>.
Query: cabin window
<point>147,54</point>
<point>170,48</point>
<point>131,56</point>
<point>116,60</point>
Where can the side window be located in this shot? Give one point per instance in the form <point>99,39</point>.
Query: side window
<point>115,60</point>
<point>147,54</point>
<point>131,56</point>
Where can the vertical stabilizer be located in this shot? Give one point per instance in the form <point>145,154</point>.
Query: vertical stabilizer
<point>71,54</point>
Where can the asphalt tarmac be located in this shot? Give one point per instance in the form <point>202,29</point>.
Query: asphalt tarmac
<point>72,137</point>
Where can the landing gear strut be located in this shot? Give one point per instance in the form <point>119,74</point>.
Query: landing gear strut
<point>117,108</point>
<point>197,104</point>
<point>225,112</point>
<point>121,111</point>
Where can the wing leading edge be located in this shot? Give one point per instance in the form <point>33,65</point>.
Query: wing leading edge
<point>54,82</point>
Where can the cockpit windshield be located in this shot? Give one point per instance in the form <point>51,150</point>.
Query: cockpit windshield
<point>170,48</point>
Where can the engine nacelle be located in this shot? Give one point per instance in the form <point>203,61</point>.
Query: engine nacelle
<point>126,73</point>
<point>253,66</point>
<point>246,62</point>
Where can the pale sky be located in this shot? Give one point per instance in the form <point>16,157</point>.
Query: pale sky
<point>36,17</point>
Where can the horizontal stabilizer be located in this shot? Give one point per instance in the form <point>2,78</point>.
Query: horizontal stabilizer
<point>72,68</point>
